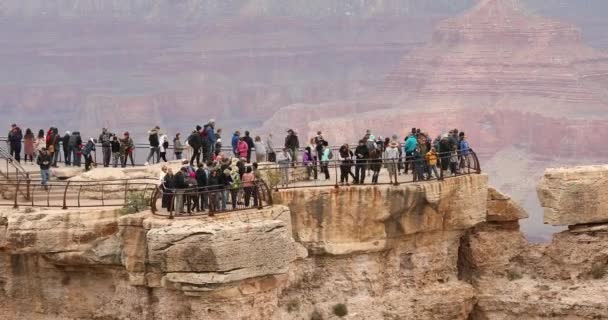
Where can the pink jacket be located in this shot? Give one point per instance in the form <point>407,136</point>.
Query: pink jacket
<point>242,148</point>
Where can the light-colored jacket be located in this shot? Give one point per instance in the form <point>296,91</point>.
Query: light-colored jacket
<point>161,141</point>
<point>391,153</point>
<point>269,145</point>
<point>260,148</point>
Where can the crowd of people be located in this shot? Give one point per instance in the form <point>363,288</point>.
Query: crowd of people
<point>418,152</point>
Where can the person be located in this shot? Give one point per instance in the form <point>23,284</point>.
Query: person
<point>227,179</point>
<point>284,159</point>
<point>464,149</point>
<point>75,148</point>
<point>14,140</point>
<point>215,188</point>
<point>235,186</point>
<point>127,148</point>
<point>115,148</point>
<point>272,156</point>
<point>431,161</point>
<point>201,183</point>
<point>346,162</point>
<point>218,140</point>
<point>260,150</point>
<point>195,141</point>
<point>392,157</point>
<point>375,164</point>
<point>87,153</point>
<point>163,145</point>
<point>105,138</point>
<point>209,138</point>
<point>40,142</point>
<point>250,145</point>
<point>310,161</point>
<point>236,137</point>
<point>362,157</point>
<point>65,144</point>
<point>154,141</point>
<point>249,187</point>
<point>454,161</point>
<point>178,147</point>
<point>411,142</point>
<point>242,148</point>
<point>168,187</point>
<point>445,149</point>
<point>327,155</point>
<point>44,161</point>
<point>292,144</point>
<point>180,185</point>
<point>318,141</point>
<point>419,165</point>
<point>28,143</point>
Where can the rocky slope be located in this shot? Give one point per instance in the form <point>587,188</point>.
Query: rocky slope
<point>441,250</point>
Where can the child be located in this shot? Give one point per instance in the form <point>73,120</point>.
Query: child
<point>431,160</point>
<point>310,162</point>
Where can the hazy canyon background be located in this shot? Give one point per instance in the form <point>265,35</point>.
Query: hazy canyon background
<point>526,79</point>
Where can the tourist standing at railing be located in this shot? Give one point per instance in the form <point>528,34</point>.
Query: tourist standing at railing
<point>167,187</point>
<point>236,137</point>
<point>164,145</point>
<point>419,164</point>
<point>310,162</point>
<point>272,156</point>
<point>127,146</point>
<point>202,177</point>
<point>284,160</point>
<point>180,185</point>
<point>105,138</point>
<point>40,142</point>
<point>445,148</point>
<point>195,141</point>
<point>454,160</point>
<point>375,164</point>
<point>115,148</point>
<point>154,141</point>
<point>326,156</point>
<point>362,157</point>
<point>87,153</point>
<point>318,144</point>
<point>75,148</point>
<point>250,145</point>
<point>431,161</point>
<point>250,188</point>
<point>464,150</point>
<point>28,143</point>
<point>14,141</point>
<point>65,145</point>
<point>346,163</point>
<point>242,148</point>
<point>210,138</point>
<point>292,144</point>
<point>52,144</point>
<point>411,142</point>
<point>260,150</point>
<point>178,147</point>
<point>391,155</point>
<point>215,190</point>
<point>44,161</point>
<point>227,181</point>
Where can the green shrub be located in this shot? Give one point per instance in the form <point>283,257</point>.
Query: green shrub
<point>316,315</point>
<point>340,310</point>
<point>513,275</point>
<point>598,270</point>
<point>135,202</point>
<point>273,178</point>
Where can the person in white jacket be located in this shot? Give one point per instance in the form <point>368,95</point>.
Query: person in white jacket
<point>164,145</point>
<point>391,157</point>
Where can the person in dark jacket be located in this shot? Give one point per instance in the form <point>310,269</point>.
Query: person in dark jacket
<point>215,188</point>
<point>44,161</point>
<point>210,139</point>
<point>87,153</point>
<point>236,137</point>
<point>292,144</point>
<point>56,145</point>
<point>250,145</point>
<point>180,184</point>
<point>65,144</point>
<point>105,138</point>
<point>115,148</point>
<point>15,135</point>
<point>168,187</point>
<point>201,182</point>
<point>154,141</point>
<point>75,148</point>
<point>362,157</point>
<point>196,143</point>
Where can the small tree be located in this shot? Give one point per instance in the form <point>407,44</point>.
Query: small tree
<point>340,310</point>
<point>135,202</point>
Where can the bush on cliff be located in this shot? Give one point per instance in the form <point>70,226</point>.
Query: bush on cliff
<point>598,271</point>
<point>135,202</point>
<point>340,310</point>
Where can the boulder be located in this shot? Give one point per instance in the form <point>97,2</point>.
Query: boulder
<point>502,208</point>
<point>575,195</point>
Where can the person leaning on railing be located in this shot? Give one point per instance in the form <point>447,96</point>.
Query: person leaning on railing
<point>284,160</point>
<point>249,187</point>
<point>392,157</point>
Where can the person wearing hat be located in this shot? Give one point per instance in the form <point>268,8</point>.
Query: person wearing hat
<point>292,144</point>
<point>392,157</point>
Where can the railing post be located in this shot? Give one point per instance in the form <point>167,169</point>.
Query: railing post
<point>65,195</point>
<point>336,173</point>
<point>102,196</point>
<point>396,175</point>
<point>16,205</point>
<point>127,189</point>
<point>27,193</point>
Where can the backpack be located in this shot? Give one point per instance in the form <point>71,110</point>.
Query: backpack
<point>204,133</point>
<point>153,139</point>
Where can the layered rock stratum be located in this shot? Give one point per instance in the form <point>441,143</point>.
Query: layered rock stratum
<point>434,250</point>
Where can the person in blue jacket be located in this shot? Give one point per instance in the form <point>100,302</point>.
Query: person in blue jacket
<point>411,142</point>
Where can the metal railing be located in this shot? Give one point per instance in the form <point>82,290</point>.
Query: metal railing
<point>75,194</point>
<point>210,200</point>
<point>13,170</point>
<point>337,173</point>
